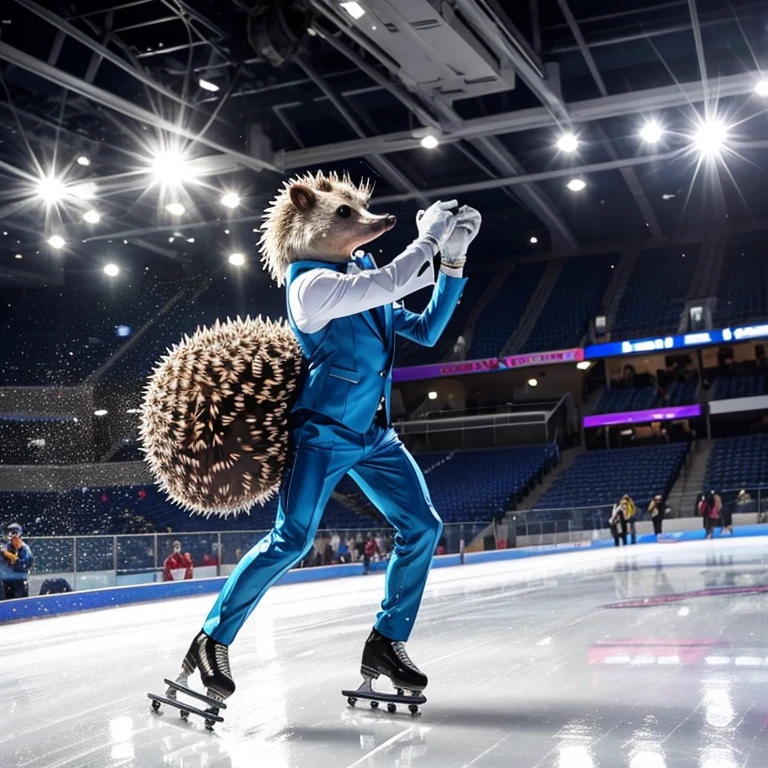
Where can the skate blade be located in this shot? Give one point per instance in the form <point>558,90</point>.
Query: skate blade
<point>194,694</point>
<point>367,693</point>
<point>209,717</point>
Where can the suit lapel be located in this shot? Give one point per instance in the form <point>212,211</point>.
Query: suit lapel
<point>376,318</point>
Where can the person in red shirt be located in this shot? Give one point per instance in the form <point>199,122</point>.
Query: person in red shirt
<point>175,561</point>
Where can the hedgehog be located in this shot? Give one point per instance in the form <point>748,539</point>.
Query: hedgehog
<point>214,416</point>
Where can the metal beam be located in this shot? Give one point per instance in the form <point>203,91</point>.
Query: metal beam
<point>628,174</point>
<point>101,50</point>
<point>678,95</point>
<point>383,165</point>
<point>108,99</point>
<point>697,38</point>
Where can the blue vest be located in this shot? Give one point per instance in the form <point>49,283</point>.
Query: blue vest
<point>350,361</point>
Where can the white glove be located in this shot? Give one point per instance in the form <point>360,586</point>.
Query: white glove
<point>454,253</point>
<point>437,222</point>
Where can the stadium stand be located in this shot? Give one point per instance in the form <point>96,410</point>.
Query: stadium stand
<point>736,463</point>
<point>575,299</point>
<point>751,385</point>
<point>503,312</point>
<point>742,296</point>
<point>598,478</point>
<point>654,299</point>
<point>618,400</point>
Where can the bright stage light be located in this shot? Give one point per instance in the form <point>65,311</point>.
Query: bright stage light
<point>230,200</point>
<point>710,137</point>
<point>92,217</point>
<point>50,190</point>
<point>533,382</point>
<point>18,256</point>
<point>429,142</point>
<point>170,168</point>
<point>432,395</point>
<point>237,259</point>
<point>112,270</point>
<point>567,143</point>
<point>584,365</point>
<point>534,240</point>
<point>354,9</point>
<point>175,209</point>
<point>85,191</point>
<point>83,160</point>
<point>761,88</point>
<point>576,185</point>
<point>56,241</point>
<point>100,412</point>
<point>208,86</point>
<point>651,132</point>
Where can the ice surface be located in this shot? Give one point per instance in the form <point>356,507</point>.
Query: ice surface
<point>533,664</point>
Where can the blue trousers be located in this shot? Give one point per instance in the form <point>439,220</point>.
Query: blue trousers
<point>323,452</point>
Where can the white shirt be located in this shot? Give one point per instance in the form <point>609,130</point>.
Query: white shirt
<point>320,295</point>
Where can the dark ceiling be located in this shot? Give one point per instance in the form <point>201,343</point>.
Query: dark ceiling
<point>117,83</point>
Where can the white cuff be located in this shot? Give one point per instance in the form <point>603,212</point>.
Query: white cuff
<point>452,271</point>
<point>432,241</point>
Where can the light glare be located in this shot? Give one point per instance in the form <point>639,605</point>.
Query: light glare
<point>567,143</point>
<point>50,190</point>
<point>230,200</point>
<point>432,395</point>
<point>761,88</point>
<point>92,217</point>
<point>583,365</point>
<point>56,241</point>
<point>100,412</point>
<point>112,270</point>
<point>534,240</point>
<point>237,259</point>
<point>576,185</point>
<point>710,137</point>
<point>651,132</point>
<point>429,142</point>
<point>83,160</point>
<point>175,209</point>
<point>533,382</point>
<point>170,167</point>
<point>85,191</point>
<point>208,86</point>
<point>354,9</point>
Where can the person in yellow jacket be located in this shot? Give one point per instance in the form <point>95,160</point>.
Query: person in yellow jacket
<point>630,510</point>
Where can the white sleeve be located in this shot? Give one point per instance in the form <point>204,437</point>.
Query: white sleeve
<point>320,295</point>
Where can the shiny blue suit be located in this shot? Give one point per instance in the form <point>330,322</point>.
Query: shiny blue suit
<point>335,430</point>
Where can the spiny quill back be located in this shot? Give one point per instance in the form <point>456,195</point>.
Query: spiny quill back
<point>284,232</point>
<point>214,415</point>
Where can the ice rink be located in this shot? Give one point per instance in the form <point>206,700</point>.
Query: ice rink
<point>647,657</point>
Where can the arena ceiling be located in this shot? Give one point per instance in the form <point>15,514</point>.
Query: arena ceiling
<point>183,101</point>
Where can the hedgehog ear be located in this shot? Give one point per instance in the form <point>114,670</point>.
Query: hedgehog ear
<point>303,198</point>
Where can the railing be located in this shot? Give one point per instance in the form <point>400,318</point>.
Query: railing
<point>88,562</point>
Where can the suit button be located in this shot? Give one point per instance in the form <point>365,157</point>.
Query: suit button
<point>382,374</point>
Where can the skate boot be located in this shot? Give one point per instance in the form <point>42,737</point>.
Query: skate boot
<point>384,656</point>
<point>212,659</point>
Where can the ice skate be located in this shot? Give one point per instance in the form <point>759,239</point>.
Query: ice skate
<point>212,659</point>
<point>383,656</point>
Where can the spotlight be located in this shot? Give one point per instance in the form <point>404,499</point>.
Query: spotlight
<point>170,168</point>
<point>100,412</point>
<point>112,270</point>
<point>355,10</point>
<point>208,86</point>
<point>85,191</point>
<point>56,241</point>
<point>18,256</point>
<point>236,259</point>
<point>190,239</point>
<point>651,132</point>
<point>567,143</point>
<point>175,209</point>
<point>429,141</point>
<point>534,240</point>
<point>576,185</point>
<point>710,137</point>
<point>83,160</point>
<point>533,382</point>
<point>432,395</point>
<point>230,200</point>
<point>92,217</point>
<point>50,190</point>
<point>761,88</point>
<point>584,365</point>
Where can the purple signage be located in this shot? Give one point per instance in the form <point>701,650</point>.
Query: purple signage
<point>488,365</point>
<point>640,417</point>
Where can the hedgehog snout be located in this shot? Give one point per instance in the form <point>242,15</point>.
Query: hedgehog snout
<point>390,221</point>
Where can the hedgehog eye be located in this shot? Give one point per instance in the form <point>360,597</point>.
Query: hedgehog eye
<point>344,211</point>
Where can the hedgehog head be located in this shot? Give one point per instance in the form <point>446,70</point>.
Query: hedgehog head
<point>321,217</point>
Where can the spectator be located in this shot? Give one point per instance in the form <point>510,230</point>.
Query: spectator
<point>712,512</point>
<point>15,564</point>
<point>342,553</point>
<point>370,552</point>
<point>656,512</point>
<point>617,522</point>
<point>176,561</point>
<point>726,514</point>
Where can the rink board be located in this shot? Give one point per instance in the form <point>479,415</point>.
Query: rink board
<point>74,602</point>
